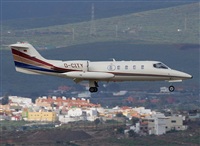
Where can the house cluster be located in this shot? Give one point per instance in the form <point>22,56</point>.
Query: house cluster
<point>149,122</point>
<point>158,124</point>
<point>48,109</point>
<point>65,110</point>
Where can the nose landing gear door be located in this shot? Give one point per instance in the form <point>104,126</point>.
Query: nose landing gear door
<point>171,87</point>
<point>169,76</point>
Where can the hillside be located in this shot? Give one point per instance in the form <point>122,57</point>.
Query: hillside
<point>179,24</point>
<point>32,14</point>
<point>83,135</point>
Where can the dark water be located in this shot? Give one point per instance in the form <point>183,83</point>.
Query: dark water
<point>186,60</point>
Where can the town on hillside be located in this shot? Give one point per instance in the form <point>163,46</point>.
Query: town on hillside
<point>59,111</point>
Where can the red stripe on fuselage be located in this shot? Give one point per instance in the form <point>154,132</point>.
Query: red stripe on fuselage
<point>29,57</point>
<point>18,53</point>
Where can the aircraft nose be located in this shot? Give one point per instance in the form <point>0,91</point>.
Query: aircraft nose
<point>183,75</point>
<point>188,76</point>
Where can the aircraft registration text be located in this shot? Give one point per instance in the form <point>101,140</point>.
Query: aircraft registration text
<point>73,65</point>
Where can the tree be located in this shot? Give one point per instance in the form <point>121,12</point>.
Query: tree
<point>132,133</point>
<point>4,128</point>
<point>135,120</point>
<point>119,114</point>
<point>96,122</point>
<point>120,130</point>
<point>5,100</point>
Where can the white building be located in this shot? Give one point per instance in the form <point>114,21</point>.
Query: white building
<point>67,118</point>
<point>158,124</point>
<point>136,128</point>
<point>142,111</point>
<point>164,90</point>
<point>175,122</point>
<point>21,100</point>
<point>154,124</point>
<point>75,112</point>
<point>91,114</point>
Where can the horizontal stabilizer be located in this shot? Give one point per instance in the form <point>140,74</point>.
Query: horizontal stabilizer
<point>26,71</point>
<point>19,46</point>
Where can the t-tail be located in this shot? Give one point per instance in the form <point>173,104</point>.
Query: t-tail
<point>28,60</point>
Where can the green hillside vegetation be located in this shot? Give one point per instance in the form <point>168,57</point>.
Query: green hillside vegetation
<point>176,25</point>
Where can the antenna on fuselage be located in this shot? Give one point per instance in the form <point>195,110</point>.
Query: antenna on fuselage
<point>113,59</point>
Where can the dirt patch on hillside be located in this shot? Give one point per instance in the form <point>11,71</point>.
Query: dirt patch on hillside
<point>59,135</point>
<point>44,137</point>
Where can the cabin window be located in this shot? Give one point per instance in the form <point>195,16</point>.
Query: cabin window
<point>151,121</point>
<point>160,65</point>
<point>134,66</point>
<point>142,66</point>
<point>173,121</point>
<point>118,67</point>
<point>126,67</point>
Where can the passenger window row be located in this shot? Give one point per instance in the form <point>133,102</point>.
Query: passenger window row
<point>126,67</point>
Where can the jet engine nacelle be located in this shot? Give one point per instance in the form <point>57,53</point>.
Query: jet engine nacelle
<point>89,75</point>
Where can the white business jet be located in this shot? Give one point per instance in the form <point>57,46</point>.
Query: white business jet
<point>28,60</point>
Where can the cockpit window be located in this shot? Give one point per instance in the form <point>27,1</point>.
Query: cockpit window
<point>160,65</point>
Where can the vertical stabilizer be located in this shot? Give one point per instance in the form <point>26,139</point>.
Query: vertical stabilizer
<point>26,49</point>
<point>27,59</point>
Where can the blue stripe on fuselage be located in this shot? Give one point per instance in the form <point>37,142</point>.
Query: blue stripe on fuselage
<point>27,66</point>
